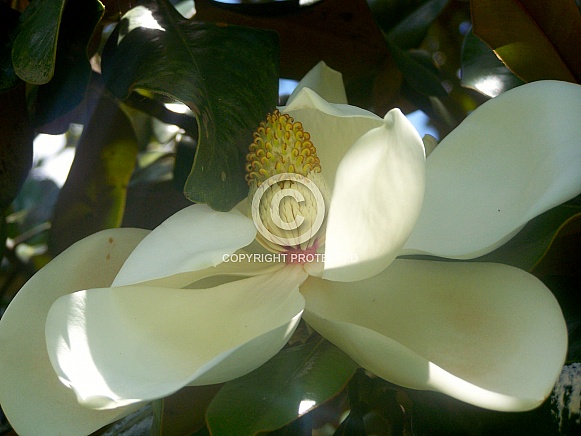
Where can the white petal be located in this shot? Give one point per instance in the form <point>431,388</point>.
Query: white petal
<point>118,346</point>
<point>31,395</point>
<point>487,334</point>
<point>377,198</point>
<point>333,127</point>
<point>192,239</point>
<point>325,81</point>
<point>242,263</point>
<point>515,157</point>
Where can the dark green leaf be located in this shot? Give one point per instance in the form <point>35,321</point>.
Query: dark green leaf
<point>72,68</point>
<point>93,197</point>
<point>184,158</point>
<point>227,75</point>
<point>483,71</point>
<point>536,39</point>
<point>529,246</point>
<point>8,24</point>
<point>157,411</point>
<point>34,50</point>
<point>566,290</point>
<point>420,73</point>
<point>410,32</point>
<point>417,67</point>
<point>276,393</point>
<point>183,413</point>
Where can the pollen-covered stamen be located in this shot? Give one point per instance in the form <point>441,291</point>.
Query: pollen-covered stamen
<point>287,192</point>
<point>280,146</point>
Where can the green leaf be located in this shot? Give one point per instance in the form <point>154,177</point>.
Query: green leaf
<point>183,413</point>
<point>34,50</point>
<point>530,245</point>
<point>417,67</point>
<point>157,408</point>
<point>420,72</point>
<point>72,68</point>
<point>536,39</point>
<point>8,25</point>
<point>93,197</point>
<point>483,71</point>
<point>566,290</point>
<point>410,32</point>
<point>276,393</point>
<point>227,75</point>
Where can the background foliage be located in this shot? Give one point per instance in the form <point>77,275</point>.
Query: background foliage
<point>108,70</point>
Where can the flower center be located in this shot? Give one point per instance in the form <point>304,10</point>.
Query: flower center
<point>287,192</point>
<point>280,146</point>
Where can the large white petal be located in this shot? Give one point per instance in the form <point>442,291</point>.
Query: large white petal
<point>334,128</point>
<point>192,239</point>
<point>31,395</point>
<point>513,158</point>
<point>325,81</point>
<point>487,334</point>
<point>377,198</point>
<point>118,346</point>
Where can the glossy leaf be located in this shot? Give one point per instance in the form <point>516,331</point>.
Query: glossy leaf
<point>72,68</point>
<point>562,258</point>
<point>535,39</point>
<point>409,32</point>
<point>34,50</point>
<point>227,75</point>
<point>418,69</point>
<point>8,24</point>
<point>93,197</point>
<point>15,144</point>
<point>420,75</point>
<point>290,384</point>
<point>482,70</point>
<point>531,244</point>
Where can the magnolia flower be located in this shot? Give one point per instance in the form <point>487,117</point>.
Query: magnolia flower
<point>127,316</point>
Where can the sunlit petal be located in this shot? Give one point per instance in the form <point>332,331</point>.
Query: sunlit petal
<point>376,201</point>
<point>333,127</point>
<point>192,239</point>
<point>325,81</point>
<point>31,395</point>
<point>118,346</point>
<point>239,264</point>
<point>487,334</point>
<point>514,157</point>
